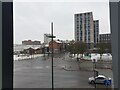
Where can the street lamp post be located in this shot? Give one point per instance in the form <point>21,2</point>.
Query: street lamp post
<point>33,50</point>
<point>44,52</point>
<point>52,55</point>
<point>94,61</point>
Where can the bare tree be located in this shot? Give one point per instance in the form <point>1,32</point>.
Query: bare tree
<point>101,48</point>
<point>83,48</point>
<point>80,48</point>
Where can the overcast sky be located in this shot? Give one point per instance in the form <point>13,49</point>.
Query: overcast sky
<point>32,19</point>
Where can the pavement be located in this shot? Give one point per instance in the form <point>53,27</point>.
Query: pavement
<point>104,68</point>
<point>36,73</point>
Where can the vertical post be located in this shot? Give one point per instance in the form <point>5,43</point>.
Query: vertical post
<point>33,51</point>
<point>106,87</point>
<point>94,73</point>
<point>65,56</point>
<point>44,51</point>
<point>52,56</point>
<point>22,52</point>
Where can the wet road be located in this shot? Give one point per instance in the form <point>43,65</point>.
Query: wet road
<point>36,73</point>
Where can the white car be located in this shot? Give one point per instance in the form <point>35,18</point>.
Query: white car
<point>99,79</point>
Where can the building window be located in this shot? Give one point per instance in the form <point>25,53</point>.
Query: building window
<point>80,26</point>
<point>81,21</point>
<point>80,38</point>
<point>88,26</point>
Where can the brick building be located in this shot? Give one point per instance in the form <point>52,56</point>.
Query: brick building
<point>57,46</point>
<point>29,42</point>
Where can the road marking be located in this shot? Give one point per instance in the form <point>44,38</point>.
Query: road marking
<point>19,69</point>
<point>38,67</point>
<point>48,67</point>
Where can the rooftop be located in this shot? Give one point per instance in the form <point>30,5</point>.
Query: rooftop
<point>83,13</point>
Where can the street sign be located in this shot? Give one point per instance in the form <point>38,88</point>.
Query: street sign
<point>52,36</point>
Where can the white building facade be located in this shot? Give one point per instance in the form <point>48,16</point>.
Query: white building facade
<point>46,38</point>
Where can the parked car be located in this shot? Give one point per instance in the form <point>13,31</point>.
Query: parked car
<point>100,79</point>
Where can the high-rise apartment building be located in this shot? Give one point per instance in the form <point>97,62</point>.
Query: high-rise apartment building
<point>96,32</point>
<point>84,28</point>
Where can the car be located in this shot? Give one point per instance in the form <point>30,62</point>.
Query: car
<point>100,79</point>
